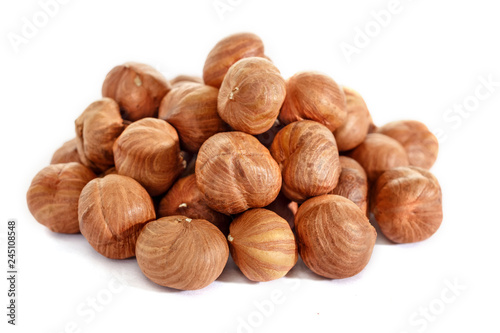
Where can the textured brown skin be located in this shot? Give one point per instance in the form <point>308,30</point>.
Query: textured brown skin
<point>420,144</point>
<point>181,253</point>
<point>96,131</point>
<point>235,172</point>
<point>192,109</point>
<point>179,80</point>
<point>408,204</point>
<point>251,95</point>
<point>336,239</point>
<point>227,52</point>
<point>314,96</point>
<point>66,153</point>
<point>379,153</point>
<point>356,125</point>
<point>262,245</point>
<point>148,151</point>
<point>184,198</point>
<point>137,88</point>
<point>111,212</point>
<point>353,183</point>
<point>308,158</point>
<point>53,196</point>
<point>285,208</point>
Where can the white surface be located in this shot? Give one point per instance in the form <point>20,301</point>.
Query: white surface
<point>428,58</point>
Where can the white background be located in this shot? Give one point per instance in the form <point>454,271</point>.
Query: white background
<point>428,58</point>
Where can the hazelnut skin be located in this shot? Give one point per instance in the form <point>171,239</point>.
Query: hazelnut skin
<point>179,80</point>
<point>353,183</point>
<point>66,153</point>
<point>251,95</point>
<point>53,196</point>
<point>407,204</point>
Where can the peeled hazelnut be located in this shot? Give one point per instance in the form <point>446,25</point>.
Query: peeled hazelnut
<point>262,245</point>
<point>379,153</point>
<point>182,79</point>
<point>182,253</point>
<point>314,96</point>
<point>53,196</point>
<point>336,239</point>
<point>66,153</point>
<point>227,52</point>
<point>235,172</point>
<point>353,183</point>
<point>407,204</point>
<point>137,88</point>
<point>96,131</point>
<point>111,212</point>
<point>355,127</point>
<point>308,158</point>
<point>251,95</point>
<point>285,208</point>
<point>184,198</point>
<point>192,109</point>
<point>420,144</point>
<point>148,151</point>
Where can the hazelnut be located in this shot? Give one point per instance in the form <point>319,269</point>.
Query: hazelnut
<point>308,158</point>
<point>285,208</point>
<point>66,153</point>
<point>111,212</point>
<point>251,95</point>
<point>182,79</point>
<point>262,245</point>
<point>353,183</point>
<point>227,52</point>
<point>181,253</point>
<point>407,204</point>
<point>420,144</point>
<point>184,198</point>
<point>96,130</point>
<point>192,109</point>
<point>355,127</point>
<point>336,239</point>
<point>137,88</point>
<point>148,151</point>
<point>235,172</point>
<point>53,195</point>
<point>314,96</point>
<point>379,153</point>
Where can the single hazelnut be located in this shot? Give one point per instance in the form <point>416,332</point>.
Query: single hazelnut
<point>137,88</point>
<point>53,195</point>
<point>96,131</point>
<point>355,127</point>
<point>308,158</point>
<point>227,52</point>
<point>314,96</point>
<point>192,109</point>
<point>336,239</point>
<point>353,183</point>
<point>420,144</point>
<point>66,153</point>
<point>407,204</point>
<point>285,208</point>
<point>262,245</point>
<point>179,80</point>
<point>251,95</point>
<point>235,172</point>
<point>181,253</point>
<point>112,211</point>
<point>379,153</point>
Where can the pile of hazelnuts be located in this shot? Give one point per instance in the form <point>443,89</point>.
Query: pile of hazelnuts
<point>181,173</point>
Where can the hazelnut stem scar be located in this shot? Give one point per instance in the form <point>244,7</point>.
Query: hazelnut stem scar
<point>231,94</point>
<point>230,238</point>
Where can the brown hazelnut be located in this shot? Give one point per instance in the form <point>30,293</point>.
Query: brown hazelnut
<point>353,183</point>
<point>148,151</point>
<point>262,245</point>
<point>407,204</point>
<point>137,88</point>
<point>251,95</point>
<point>182,79</point>
<point>285,208</point>
<point>379,153</point>
<point>192,109</point>
<point>181,253</point>
<point>66,153</point>
<point>53,195</point>
<point>355,127</point>
<point>420,144</point>
<point>336,239</point>
<point>308,158</point>
<point>314,96</point>
<point>235,172</point>
<point>111,212</point>
<point>227,52</point>
<point>96,131</point>
<point>184,198</point>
